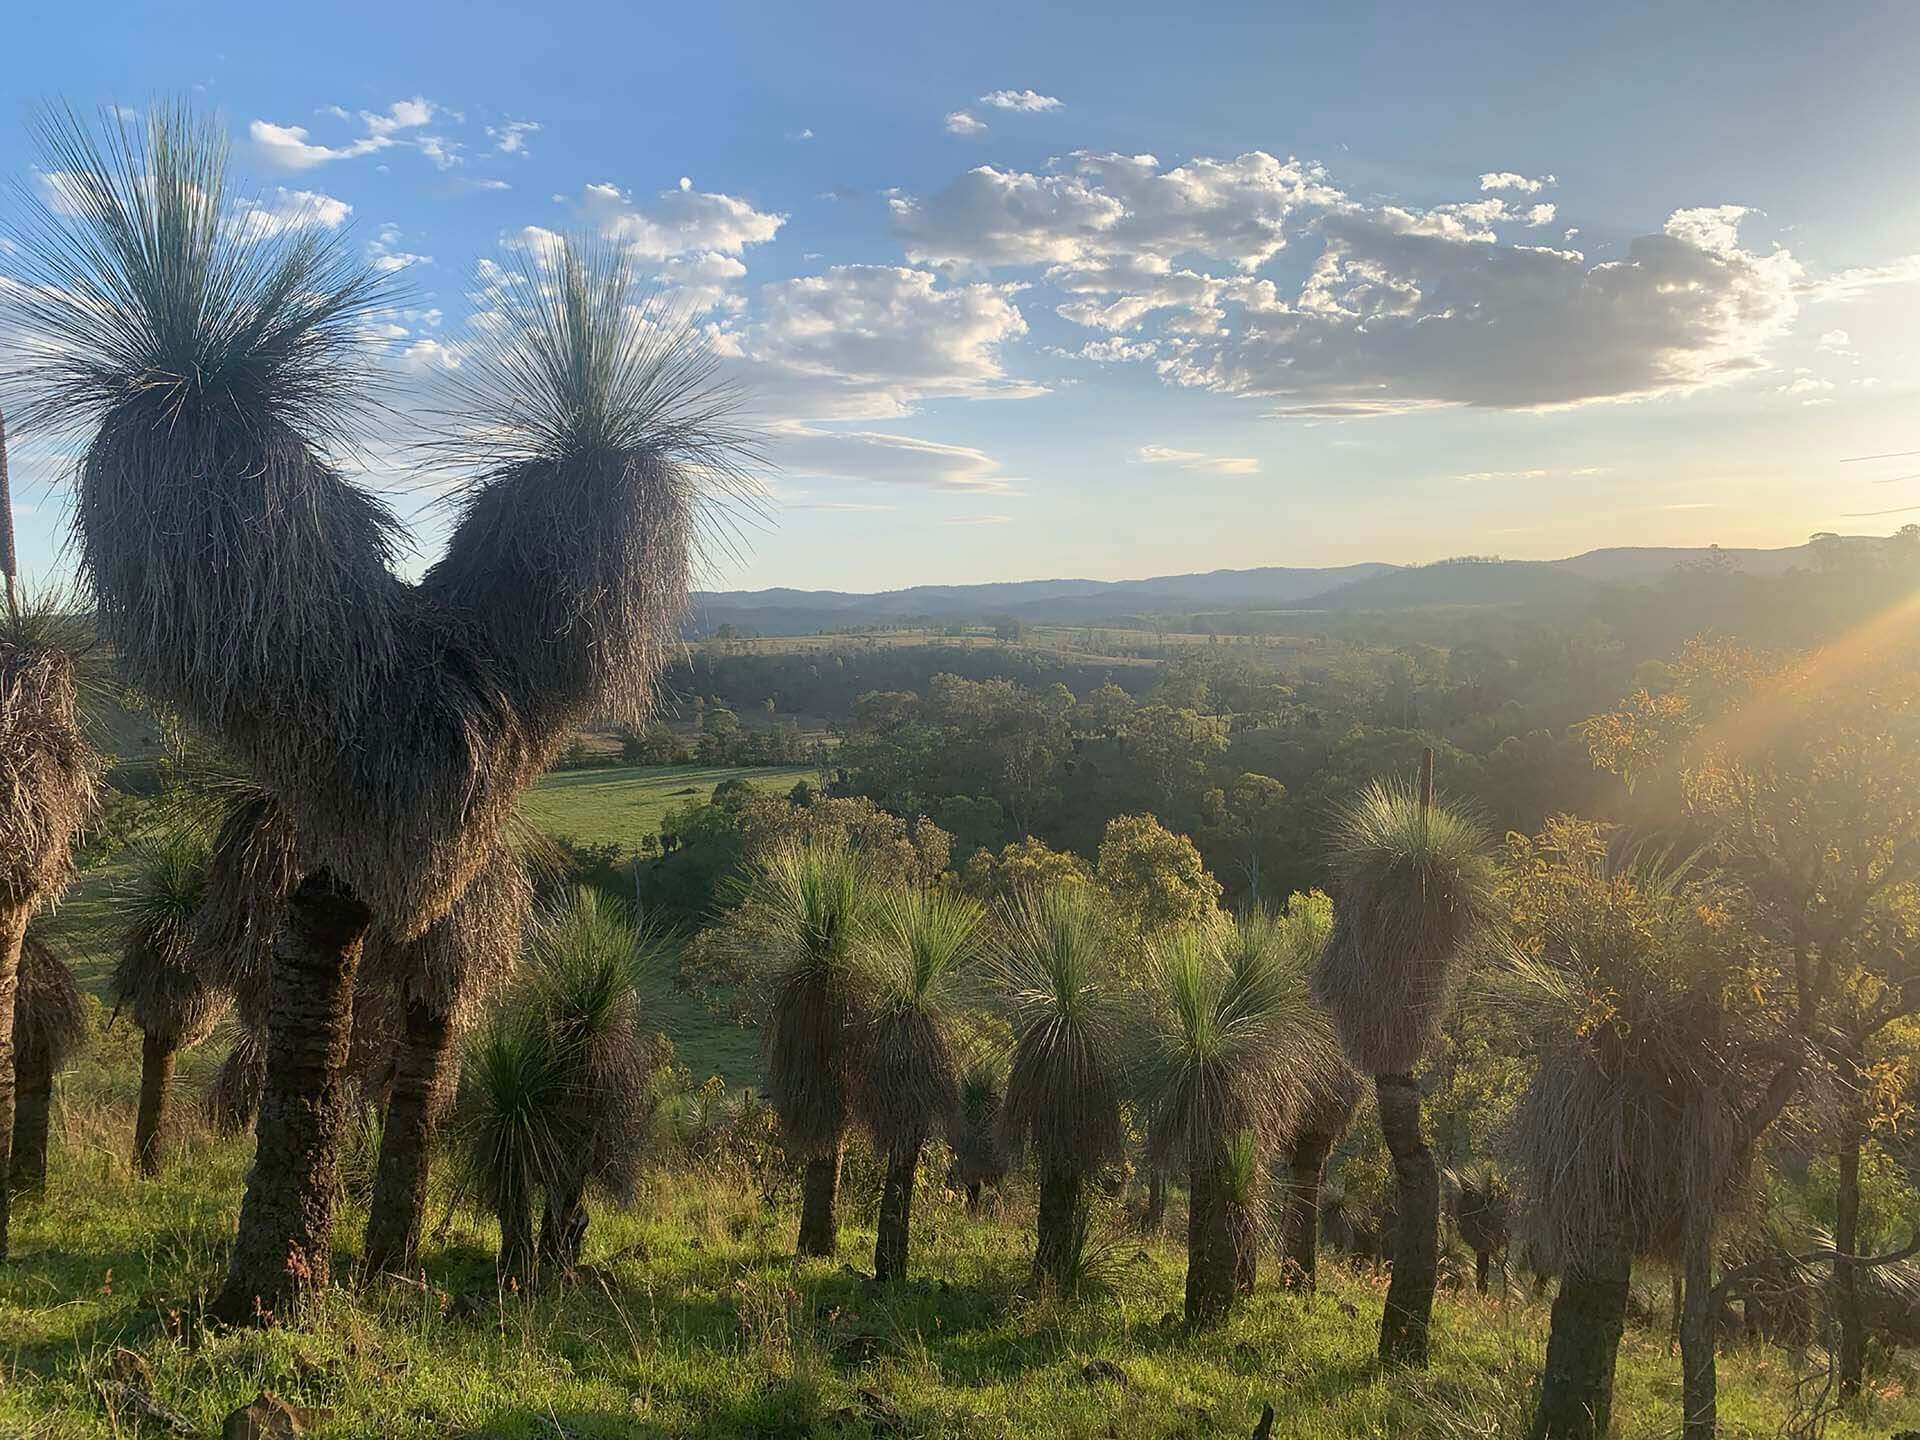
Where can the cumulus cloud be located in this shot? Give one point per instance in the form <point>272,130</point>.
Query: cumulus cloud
<point>959,122</point>
<point>288,146</point>
<point>1197,460</point>
<point>1104,207</point>
<point>510,138</point>
<point>386,253</point>
<point>1030,100</point>
<point>680,221</point>
<point>870,341</point>
<point>1392,319</point>
<point>1400,308</point>
<point>292,210</point>
<point>291,148</point>
<point>1508,180</point>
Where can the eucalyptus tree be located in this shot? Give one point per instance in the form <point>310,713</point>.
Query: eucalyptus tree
<point>172,1005</point>
<point>908,1074</point>
<point>1413,885</point>
<point>210,368</point>
<point>1067,1073</point>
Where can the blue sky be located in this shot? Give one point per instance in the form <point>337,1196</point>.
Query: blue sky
<point>1026,291</point>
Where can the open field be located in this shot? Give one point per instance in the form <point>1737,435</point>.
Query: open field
<point>692,1319</point>
<point>621,805</point>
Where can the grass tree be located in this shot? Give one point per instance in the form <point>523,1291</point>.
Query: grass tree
<point>806,923</point>
<point>980,1156</point>
<point>208,368</point>
<point>1066,1072</point>
<point>585,955</point>
<point>511,1128</point>
<point>438,981</point>
<point>47,777</point>
<point>907,1066</point>
<point>1221,1082</point>
<point>1483,1214</point>
<point>1655,1020</point>
<point>154,981</point>
<point>1330,1091</point>
<point>1412,887</point>
<point>49,1021</point>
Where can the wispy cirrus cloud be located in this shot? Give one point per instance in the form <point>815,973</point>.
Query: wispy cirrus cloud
<point>1197,460</point>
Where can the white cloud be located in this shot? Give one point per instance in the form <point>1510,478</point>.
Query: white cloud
<point>385,252</point>
<point>288,146</point>
<point>401,115</point>
<point>822,453</point>
<point>444,153</point>
<point>1852,284</point>
<point>291,148</point>
<point>1110,206</point>
<point>1390,321</point>
<point>1508,180</point>
<point>483,183</point>
<point>802,134</point>
<point>680,221</point>
<point>292,210</point>
<point>868,341</point>
<point>1197,460</point>
<point>959,122</point>
<point>510,138</point>
<point>1030,100</point>
<point>1114,350</point>
<point>705,282</point>
<point>978,520</point>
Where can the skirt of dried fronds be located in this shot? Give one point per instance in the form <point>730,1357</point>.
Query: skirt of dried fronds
<point>253,868</point>
<point>1593,1152</point>
<point>463,959</point>
<point>47,769</point>
<point>49,1013</point>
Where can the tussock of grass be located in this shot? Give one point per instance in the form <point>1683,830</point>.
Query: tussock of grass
<point>691,1319</point>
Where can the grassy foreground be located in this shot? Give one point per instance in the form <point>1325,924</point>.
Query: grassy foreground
<point>693,1319</point>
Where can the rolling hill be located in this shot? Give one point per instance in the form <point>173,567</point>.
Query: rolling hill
<point>1344,587</point>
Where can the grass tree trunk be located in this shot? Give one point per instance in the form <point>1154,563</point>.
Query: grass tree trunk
<point>1583,1344</point>
<point>1301,1235</point>
<point>819,1205</point>
<point>563,1227</point>
<point>1057,1239</point>
<point>13,934</point>
<point>1699,1384</point>
<point>400,1181</point>
<point>896,1214</point>
<point>1846,1242</point>
<point>156,1084</point>
<point>33,1109</point>
<point>285,1241</point>
<point>974,1188</point>
<point>1416,1243</point>
<point>1482,1270</point>
<point>514,1267</point>
<point>1210,1248</point>
<point>1246,1248</point>
<point>1154,1219</point>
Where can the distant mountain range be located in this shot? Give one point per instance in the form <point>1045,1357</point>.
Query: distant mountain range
<point>1341,587</point>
